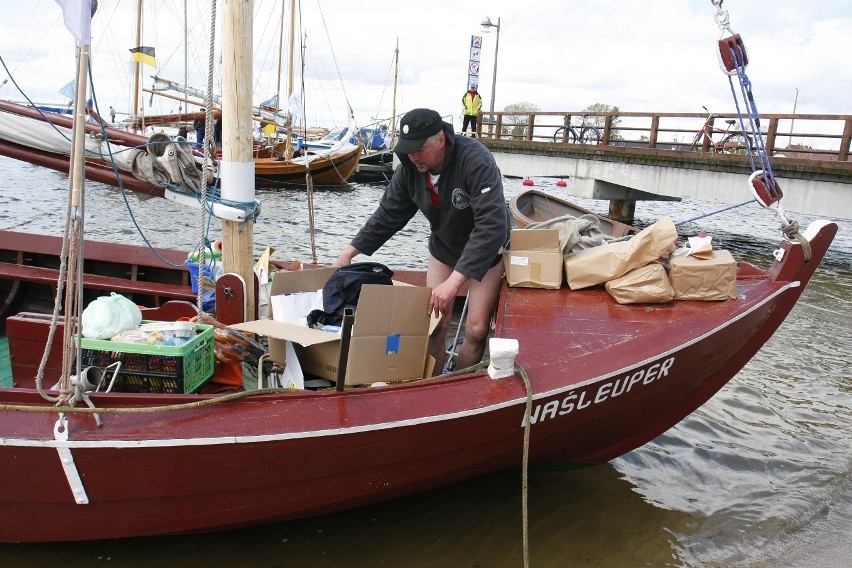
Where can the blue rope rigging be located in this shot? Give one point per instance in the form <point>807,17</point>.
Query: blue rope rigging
<point>733,60</point>
<point>757,144</point>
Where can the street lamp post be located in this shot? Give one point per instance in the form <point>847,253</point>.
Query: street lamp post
<point>486,28</point>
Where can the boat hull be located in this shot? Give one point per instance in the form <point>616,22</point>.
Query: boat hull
<point>335,169</point>
<point>597,393</point>
<point>534,206</point>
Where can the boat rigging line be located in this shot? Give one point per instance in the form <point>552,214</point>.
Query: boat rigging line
<point>733,59</point>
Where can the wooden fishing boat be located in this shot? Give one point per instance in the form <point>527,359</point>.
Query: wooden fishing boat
<point>593,379</point>
<point>330,168</point>
<point>333,167</point>
<point>534,206</point>
<point>605,379</point>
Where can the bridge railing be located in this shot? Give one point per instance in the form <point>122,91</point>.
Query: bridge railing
<point>803,136</point>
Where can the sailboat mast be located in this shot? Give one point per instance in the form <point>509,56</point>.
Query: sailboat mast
<point>237,164</point>
<point>395,78</point>
<point>280,54</point>
<point>289,144</point>
<point>137,66</point>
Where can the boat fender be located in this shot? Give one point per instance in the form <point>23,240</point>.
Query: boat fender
<point>503,352</point>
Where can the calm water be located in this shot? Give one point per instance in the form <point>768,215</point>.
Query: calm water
<point>761,475</point>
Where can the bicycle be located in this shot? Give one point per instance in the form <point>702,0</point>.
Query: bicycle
<point>587,134</point>
<point>732,141</point>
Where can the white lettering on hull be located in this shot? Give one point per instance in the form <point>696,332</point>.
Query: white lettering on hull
<point>574,401</point>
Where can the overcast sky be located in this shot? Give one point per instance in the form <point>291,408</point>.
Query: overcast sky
<point>561,55</point>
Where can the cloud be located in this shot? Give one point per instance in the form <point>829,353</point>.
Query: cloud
<point>656,55</point>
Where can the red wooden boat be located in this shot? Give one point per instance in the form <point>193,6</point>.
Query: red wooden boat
<point>605,379</point>
<point>534,206</point>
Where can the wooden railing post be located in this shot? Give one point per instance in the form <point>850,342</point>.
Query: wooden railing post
<point>655,126</point>
<point>607,132</point>
<point>530,126</point>
<point>771,134</point>
<point>843,154</point>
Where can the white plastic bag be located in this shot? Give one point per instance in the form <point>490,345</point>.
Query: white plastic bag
<point>109,315</point>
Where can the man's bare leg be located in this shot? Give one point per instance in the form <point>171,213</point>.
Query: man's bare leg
<point>483,298</point>
<point>482,301</point>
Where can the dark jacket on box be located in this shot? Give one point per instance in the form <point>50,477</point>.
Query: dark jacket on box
<point>471,223</point>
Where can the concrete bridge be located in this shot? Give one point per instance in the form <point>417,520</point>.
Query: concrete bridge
<point>624,175</point>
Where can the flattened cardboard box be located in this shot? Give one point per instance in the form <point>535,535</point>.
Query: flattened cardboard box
<point>609,261</point>
<point>714,278</point>
<point>389,338</point>
<point>535,260</point>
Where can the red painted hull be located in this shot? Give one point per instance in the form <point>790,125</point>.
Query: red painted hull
<point>606,379</point>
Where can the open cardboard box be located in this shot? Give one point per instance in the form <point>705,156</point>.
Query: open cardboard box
<point>389,337</point>
<point>535,260</point>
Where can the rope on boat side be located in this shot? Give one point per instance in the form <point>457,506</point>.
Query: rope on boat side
<point>181,406</point>
<point>525,463</point>
<point>244,394</point>
<point>140,409</point>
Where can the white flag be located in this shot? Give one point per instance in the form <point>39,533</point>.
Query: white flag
<point>70,90</point>
<point>294,106</point>
<point>78,19</point>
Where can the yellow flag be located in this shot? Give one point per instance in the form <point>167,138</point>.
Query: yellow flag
<point>144,55</point>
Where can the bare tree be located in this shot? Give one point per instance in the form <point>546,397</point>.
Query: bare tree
<point>518,119</point>
<point>600,121</point>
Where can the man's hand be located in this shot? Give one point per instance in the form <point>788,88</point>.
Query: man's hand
<point>346,256</point>
<point>444,295</point>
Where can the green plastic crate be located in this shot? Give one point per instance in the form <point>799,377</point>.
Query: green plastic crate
<point>155,368</point>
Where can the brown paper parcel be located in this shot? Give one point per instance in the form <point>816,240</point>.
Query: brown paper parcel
<point>612,260</point>
<point>648,284</point>
<point>714,278</point>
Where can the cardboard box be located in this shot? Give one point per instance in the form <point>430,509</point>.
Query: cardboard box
<point>714,278</point>
<point>646,285</point>
<point>535,260</point>
<point>389,337</point>
<point>609,261</point>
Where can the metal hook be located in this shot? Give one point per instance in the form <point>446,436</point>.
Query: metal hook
<point>721,17</point>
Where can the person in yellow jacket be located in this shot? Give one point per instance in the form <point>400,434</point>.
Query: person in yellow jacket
<point>472,104</point>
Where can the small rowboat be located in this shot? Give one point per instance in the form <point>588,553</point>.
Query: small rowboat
<point>535,206</point>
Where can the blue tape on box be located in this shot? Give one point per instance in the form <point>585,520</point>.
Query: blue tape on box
<point>392,344</point>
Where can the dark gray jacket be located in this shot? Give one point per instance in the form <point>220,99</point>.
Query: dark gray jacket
<point>471,225</point>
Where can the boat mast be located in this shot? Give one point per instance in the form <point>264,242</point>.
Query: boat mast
<point>280,56</point>
<point>137,69</point>
<point>289,144</point>
<point>395,77</point>
<point>237,165</point>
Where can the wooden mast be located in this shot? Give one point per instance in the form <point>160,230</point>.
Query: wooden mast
<point>279,106</point>
<point>237,165</point>
<point>395,78</point>
<point>137,70</point>
<point>289,144</point>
